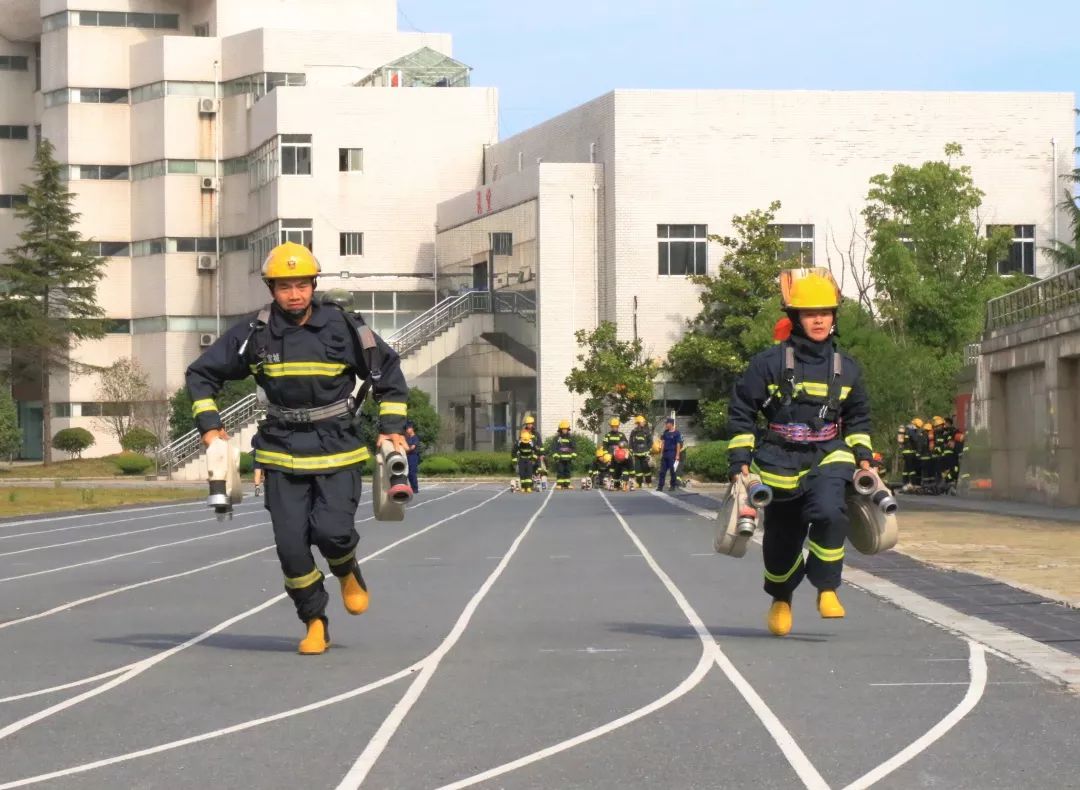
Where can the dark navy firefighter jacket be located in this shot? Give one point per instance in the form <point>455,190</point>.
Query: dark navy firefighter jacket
<point>817,396</point>
<point>300,367</point>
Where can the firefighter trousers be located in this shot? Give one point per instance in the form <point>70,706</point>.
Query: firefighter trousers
<point>526,469</point>
<point>564,468</point>
<point>314,510</point>
<point>641,468</point>
<point>820,510</point>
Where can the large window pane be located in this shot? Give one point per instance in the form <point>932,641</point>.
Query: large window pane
<point>682,258</point>
<point>111,19</point>
<point>662,249</point>
<point>418,301</point>
<point>140,20</point>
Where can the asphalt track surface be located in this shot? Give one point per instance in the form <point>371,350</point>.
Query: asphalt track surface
<point>554,640</point>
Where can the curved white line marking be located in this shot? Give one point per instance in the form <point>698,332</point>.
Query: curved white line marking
<point>977,685</point>
<point>91,598</point>
<point>139,667</point>
<point>46,519</point>
<point>711,652</point>
<point>73,684</point>
<point>133,553</point>
<point>367,759</point>
<point>108,537</point>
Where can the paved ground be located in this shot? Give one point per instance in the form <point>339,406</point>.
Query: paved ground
<point>550,641</point>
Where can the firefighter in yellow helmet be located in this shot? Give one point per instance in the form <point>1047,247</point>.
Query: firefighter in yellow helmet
<point>615,441</point>
<point>599,469</point>
<point>307,355</point>
<point>529,424</point>
<point>564,453</point>
<point>817,417</point>
<point>524,453</point>
<point>641,439</point>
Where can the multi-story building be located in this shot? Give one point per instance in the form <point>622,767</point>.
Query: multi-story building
<point>602,212</point>
<point>197,134</point>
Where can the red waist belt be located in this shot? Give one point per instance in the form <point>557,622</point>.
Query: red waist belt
<point>800,432</point>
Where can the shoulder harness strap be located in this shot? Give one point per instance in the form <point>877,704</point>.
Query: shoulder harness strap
<point>261,322</point>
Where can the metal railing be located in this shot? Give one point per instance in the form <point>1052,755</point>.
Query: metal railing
<point>182,449</point>
<point>971,353</point>
<point>450,311</point>
<point>1038,299</point>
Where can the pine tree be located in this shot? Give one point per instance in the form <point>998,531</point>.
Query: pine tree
<point>49,285</point>
<point>10,435</point>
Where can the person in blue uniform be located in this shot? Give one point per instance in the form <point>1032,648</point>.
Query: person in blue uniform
<point>671,447</point>
<point>413,455</point>
<point>307,356</point>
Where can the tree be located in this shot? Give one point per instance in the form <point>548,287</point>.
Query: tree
<point>739,305</point>
<point>73,441</point>
<point>614,376</point>
<point>180,419</point>
<point>153,415</point>
<point>421,413</point>
<point>10,434</point>
<point>49,283</point>
<point>932,268</point>
<point>1066,254</point>
<point>122,385</point>
<point>138,440</point>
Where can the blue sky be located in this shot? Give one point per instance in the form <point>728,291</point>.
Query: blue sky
<point>547,56</point>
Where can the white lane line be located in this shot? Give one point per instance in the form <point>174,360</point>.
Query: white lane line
<point>959,683</point>
<point>710,654</point>
<point>976,687</point>
<point>133,553</point>
<point>697,511</point>
<point>254,722</point>
<point>100,524</point>
<point>107,537</point>
<point>106,514</point>
<point>118,670</point>
<point>89,599</point>
<point>374,749</point>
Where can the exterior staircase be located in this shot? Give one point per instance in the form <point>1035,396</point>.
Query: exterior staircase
<point>422,343</point>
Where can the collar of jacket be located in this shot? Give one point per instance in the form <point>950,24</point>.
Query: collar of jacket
<point>806,350</point>
<point>279,322</point>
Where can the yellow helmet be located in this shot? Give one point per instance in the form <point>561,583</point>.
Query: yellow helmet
<point>290,260</point>
<point>607,457</point>
<point>525,436</point>
<point>564,425</point>
<point>600,453</point>
<point>814,292</point>
<point>614,422</point>
<point>917,422</point>
<point>640,419</point>
<point>530,420</point>
<point>938,422</point>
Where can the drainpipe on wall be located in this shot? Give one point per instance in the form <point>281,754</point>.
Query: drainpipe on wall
<point>1054,186</point>
<point>217,196</point>
<point>596,254</point>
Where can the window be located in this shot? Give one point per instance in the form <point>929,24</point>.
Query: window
<point>14,132</point>
<point>296,154</point>
<point>91,409</point>
<point>147,247</point>
<point>260,84</point>
<point>14,63</point>
<point>387,311</point>
<point>191,244</point>
<point>1021,256</point>
<point>351,243</point>
<point>117,326</point>
<point>98,172</point>
<point>798,241</point>
<point>297,231</point>
<point>157,90</point>
<point>86,96</point>
<point>37,66</point>
<point>351,160</point>
<point>682,249</point>
<point>502,243</point>
<point>201,31</point>
<point>148,170</point>
<point>61,410</point>
<point>112,249</point>
<point>235,166</point>
<point>11,201</point>
<point>110,19</point>
<point>161,167</point>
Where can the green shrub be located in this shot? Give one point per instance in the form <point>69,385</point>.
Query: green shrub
<point>138,440</point>
<point>132,463</point>
<point>439,465</point>
<point>583,445</point>
<point>708,461</point>
<point>73,441</point>
<point>247,463</point>
<point>479,463</point>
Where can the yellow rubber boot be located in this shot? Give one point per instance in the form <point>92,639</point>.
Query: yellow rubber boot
<point>353,592</point>
<point>317,639</point>
<point>780,618</point>
<point>829,605</point>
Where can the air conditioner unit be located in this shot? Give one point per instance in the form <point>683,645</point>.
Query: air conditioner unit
<point>207,263</point>
<point>207,339</point>
<point>207,106</point>
<point>209,184</point>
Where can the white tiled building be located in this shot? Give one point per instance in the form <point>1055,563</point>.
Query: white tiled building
<point>608,206</point>
<point>197,134</point>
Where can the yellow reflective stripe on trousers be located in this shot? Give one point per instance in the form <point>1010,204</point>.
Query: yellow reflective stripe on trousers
<point>200,406</point>
<point>393,409</point>
<point>838,457</point>
<point>772,577</point>
<point>300,582</point>
<point>341,560</point>
<point>823,554</point>
<point>816,389</point>
<point>278,369</point>
<point>853,439</point>
<point>786,482</point>
<point>311,463</point>
<point>741,440</point>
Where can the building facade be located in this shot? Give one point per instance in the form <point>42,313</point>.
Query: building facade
<point>195,135</point>
<point>608,207</point>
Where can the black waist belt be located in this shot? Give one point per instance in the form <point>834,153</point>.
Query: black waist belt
<point>339,408</point>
